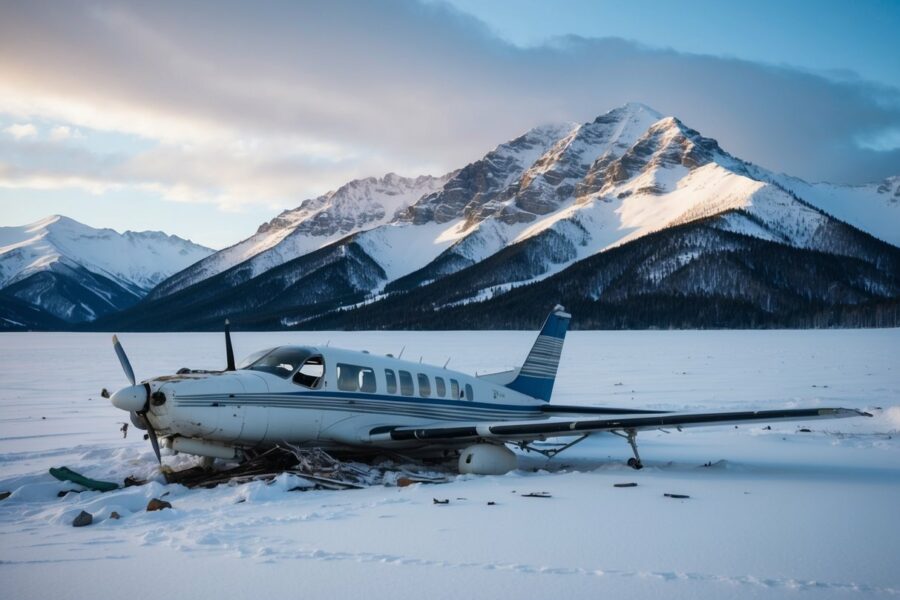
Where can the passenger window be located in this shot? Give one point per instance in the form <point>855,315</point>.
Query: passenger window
<point>454,389</point>
<point>367,381</point>
<point>391,380</point>
<point>440,387</point>
<point>424,385</point>
<point>406,383</point>
<point>353,378</point>
<point>469,394</point>
<point>311,373</point>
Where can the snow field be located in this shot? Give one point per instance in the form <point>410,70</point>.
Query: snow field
<point>778,513</point>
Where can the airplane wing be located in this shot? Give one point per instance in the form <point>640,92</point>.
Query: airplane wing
<point>556,427</point>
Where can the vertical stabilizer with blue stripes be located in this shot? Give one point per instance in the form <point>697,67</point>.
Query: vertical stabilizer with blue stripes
<point>537,375</point>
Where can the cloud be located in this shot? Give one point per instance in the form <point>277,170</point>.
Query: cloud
<point>272,103</point>
<point>21,130</point>
<point>62,132</point>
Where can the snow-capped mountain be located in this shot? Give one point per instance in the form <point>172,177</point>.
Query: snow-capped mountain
<point>874,207</point>
<point>538,208</point>
<point>355,206</point>
<point>77,273</point>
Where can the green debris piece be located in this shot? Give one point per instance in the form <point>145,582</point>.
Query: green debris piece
<point>67,474</point>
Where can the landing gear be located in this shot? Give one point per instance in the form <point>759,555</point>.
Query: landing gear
<point>551,452</point>
<point>631,436</point>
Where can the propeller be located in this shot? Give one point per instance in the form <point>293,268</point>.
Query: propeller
<point>134,398</point>
<point>123,359</point>
<point>229,351</point>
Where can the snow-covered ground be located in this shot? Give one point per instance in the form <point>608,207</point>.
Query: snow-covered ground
<point>780,513</point>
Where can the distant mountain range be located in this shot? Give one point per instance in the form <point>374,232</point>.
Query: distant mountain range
<point>58,272</point>
<point>630,220</point>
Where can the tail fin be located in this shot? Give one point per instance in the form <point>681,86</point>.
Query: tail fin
<point>537,375</point>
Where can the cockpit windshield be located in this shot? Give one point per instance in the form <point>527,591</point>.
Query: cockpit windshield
<point>279,361</point>
<point>252,358</point>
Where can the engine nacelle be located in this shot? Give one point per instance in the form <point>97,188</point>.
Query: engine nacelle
<point>487,459</point>
<point>202,448</point>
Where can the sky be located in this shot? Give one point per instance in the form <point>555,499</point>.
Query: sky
<point>205,119</point>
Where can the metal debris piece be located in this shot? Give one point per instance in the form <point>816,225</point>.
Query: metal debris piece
<point>630,484</point>
<point>444,501</point>
<point>67,474</point>
<point>679,496</point>
<point>537,495</point>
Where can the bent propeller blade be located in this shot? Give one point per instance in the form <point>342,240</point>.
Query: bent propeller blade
<point>123,360</point>
<point>153,440</point>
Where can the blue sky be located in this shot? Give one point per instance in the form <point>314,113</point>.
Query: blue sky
<point>206,119</point>
<point>853,39</point>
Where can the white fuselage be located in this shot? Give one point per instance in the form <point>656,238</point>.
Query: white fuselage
<point>356,394</point>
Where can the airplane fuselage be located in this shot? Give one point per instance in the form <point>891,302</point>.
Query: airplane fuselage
<point>350,395</point>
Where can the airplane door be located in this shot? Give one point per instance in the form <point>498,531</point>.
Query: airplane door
<point>254,412</point>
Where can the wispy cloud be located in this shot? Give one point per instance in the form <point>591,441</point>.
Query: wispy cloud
<point>269,103</point>
<point>21,130</point>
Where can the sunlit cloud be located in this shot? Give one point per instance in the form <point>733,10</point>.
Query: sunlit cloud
<point>21,130</point>
<point>62,132</point>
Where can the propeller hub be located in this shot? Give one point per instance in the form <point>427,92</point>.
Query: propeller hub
<point>131,398</point>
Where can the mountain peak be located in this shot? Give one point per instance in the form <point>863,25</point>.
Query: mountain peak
<point>76,272</point>
<point>629,110</point>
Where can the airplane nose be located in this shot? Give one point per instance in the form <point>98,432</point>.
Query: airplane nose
<point>131,398</point>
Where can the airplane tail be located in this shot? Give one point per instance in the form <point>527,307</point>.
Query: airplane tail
<point>538,373</point>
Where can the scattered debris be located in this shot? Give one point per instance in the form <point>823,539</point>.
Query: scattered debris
<point>313,464</point>
<point>804,430</point>
<point>67,474</point>
<point>124,430</point>
<point>767,428</point>
<point>114,515</point>
<point>132,481</point>
<point>157,504</point>
<point>5,495</point>
<point>444,501</point>
<point>83,519</point>
<point>64,493</point>
<point>491,503</point>
<point>678,496</point>
<point>629,484</point>
<point>537,495</point>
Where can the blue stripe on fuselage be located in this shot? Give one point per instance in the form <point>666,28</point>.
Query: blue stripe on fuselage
<point>414,400</point>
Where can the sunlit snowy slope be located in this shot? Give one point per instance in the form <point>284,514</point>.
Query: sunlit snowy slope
<point>779,513</point>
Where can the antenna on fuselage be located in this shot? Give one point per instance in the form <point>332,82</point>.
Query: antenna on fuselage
<point>229,351</point>
<point>399,356</point>
<point>448,362</point>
